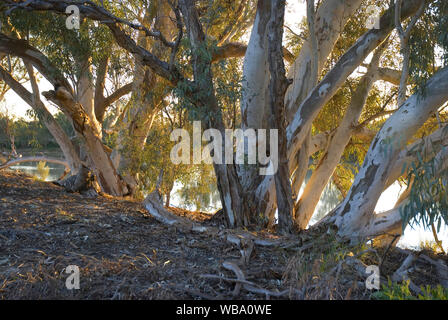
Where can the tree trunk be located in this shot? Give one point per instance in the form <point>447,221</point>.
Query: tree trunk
<point>45,116</point>
<point>330,19</point>
<point>148,93</point>
<point>308,110</point>
<point>254,103</point>
<point>330,159</point>
<point>277,90</point>
<point>108,178</point>
<point>356,210</point>
<point>227,178</point>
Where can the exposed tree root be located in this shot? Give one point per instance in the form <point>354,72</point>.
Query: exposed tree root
<point>83,181</point>
<point>248,286</point>
<point>154,205</point>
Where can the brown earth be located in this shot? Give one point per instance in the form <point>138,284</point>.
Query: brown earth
<point>123,253</point>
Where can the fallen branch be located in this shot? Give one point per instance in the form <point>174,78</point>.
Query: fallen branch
<point>214,276</point>
<point>154,205</point>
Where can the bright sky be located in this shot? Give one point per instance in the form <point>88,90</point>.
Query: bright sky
<point>17,107</point>
<point>295,10</point>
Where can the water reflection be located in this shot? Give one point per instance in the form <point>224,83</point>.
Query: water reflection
<point>55,170</point>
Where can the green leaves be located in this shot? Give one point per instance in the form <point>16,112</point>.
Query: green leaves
<point>429,43</point>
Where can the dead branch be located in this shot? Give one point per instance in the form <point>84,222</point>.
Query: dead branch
<point>239,274</point>
<point>401,274</point>
<point>214,276</point>
<point>441,268</point>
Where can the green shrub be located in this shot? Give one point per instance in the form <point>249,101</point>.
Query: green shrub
<point>401,291</point>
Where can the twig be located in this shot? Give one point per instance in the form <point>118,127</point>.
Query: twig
<point>387,251</point>
<point>239,274</point>
<point>213,276</point>
<point>436,238</point>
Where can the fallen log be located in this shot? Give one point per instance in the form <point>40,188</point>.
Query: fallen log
<point>441,269</point>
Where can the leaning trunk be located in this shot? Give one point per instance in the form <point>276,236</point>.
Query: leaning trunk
<point>356,211</point>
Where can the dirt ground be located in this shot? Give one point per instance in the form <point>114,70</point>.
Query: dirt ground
<point>123,253</point>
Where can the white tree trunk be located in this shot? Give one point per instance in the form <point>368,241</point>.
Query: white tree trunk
<point>254,103</point>
<point>299,127</point>
<point>357,208</point>
<point>390,222</point>
<point>330,159</point>
<point>85,92</point>
<point>330,19</point>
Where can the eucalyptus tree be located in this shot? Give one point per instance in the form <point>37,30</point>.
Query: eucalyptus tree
<point>68,58</point>
<point>324,79</point>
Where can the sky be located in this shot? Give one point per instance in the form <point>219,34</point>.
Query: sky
<point>17,107</point>
<point>295,11</point>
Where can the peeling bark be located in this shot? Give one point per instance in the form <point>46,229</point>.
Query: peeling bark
<point>254,103</point>
<point>357,208</point>
<point>331,157</point>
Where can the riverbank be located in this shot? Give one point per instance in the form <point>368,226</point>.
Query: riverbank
<point>123,253</point>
